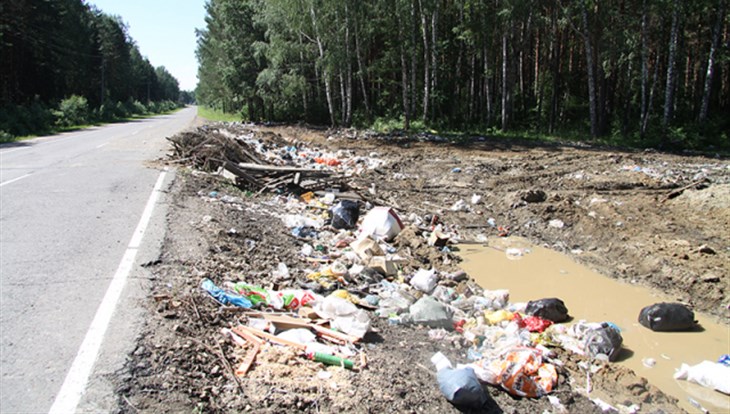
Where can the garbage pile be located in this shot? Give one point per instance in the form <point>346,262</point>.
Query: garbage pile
<point>265,165</point>
<point>359,261</point>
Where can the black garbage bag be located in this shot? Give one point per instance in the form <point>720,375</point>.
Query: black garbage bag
<point>461,387</point>
<point>345,214</point>
<point>605,340</point>
<point>667,317</point>
<point>552,309</point>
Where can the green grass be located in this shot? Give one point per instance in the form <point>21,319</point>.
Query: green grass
<point>6,138</point>
<point>216,115</point>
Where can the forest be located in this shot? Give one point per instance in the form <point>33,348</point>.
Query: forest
<point>647,72</point>
<point>65,63</point>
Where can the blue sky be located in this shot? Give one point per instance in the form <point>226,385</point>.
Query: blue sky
<point>164,31</point>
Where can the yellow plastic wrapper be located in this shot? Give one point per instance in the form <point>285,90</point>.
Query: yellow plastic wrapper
<point>495,317</point>
<point>307,197</point>
<point>343,294</point>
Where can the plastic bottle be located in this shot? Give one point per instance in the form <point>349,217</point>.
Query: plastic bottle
<point>330,360</point>
<point>440,361</point>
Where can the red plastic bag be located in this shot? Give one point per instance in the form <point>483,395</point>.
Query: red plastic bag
<point>533,323</point>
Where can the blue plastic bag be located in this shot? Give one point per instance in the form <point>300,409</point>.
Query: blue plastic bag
<point>461,387</point>
<point>225,298</point>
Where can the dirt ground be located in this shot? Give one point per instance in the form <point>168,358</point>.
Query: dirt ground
<point>655,219</point>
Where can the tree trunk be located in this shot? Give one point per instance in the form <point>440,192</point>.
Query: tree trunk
<point>627,91</point>
<point>414,55</point>
<point>304,89</point>
<point>434,53</point>
<point>707,90</point>
<point>644,65</point>
<point>505,86</point>
<point>555,66</point>
<point>343,98</point>
<point>361,73</point>
<point>487,87</point>
<point>426,65</point>
<point>671,71</point>
<point>348,70</point>
<point>404,81</point>
<point>650,103</point>
<point>404,86</point>
<point>472,85</point>
<point>325,71</point>
<point>591,74</point>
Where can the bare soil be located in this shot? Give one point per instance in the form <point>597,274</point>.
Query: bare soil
<point>626,214</point>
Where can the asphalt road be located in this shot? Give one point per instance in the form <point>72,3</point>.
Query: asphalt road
<point>69,205</point>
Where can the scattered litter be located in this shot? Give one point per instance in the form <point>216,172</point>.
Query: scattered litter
<point>649,362</point>
<point>345,214</point>
<point>381,223</point>
<point>461,387</point>
<point>667,317</point>
<point>708,374</point>
<point>552,309</point>
<point>555,223</point>
<point>604,340</point>
<point>519,371</point>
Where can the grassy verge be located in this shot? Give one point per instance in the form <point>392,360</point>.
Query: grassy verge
<point>6,138</point>
<point>215,115</point>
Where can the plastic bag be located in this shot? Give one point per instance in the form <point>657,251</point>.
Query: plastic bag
<point>344,316</point>
<point>533,323</point>
<point>605,340</point>
<point>708,374</point>
<point>424,280</point>
<point>381,223</point>
<point>497,299</point>
<point>495,317</point>
<point>461,387</point>
<point>552,309</point>
<point>667,317</point>
<point>521,372</point>
<point>345,214</point>
<point>224,297</point>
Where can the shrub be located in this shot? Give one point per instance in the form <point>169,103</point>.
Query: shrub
<point>139,108</point>
<point>72,111</point>
<point>106,111</point>
<point>5,137</point>
<point>120,110</point>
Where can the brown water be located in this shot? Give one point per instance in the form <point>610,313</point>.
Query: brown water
<point>542,273</point>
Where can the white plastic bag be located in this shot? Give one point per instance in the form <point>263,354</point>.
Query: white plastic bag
<point>381,223</point>
<point>343,316</point>
<point>708,374</point>
<point>424,280</point>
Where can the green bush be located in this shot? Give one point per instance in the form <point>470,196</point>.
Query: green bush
<point>120,110</point>
<point>72,111</point>
<point>139,108</point>
<point>5,137</point>
<point>106,111</point>
<point>18,120</point>
<point>153,107</point>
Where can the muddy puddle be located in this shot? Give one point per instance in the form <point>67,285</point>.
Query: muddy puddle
<point>532,272</point>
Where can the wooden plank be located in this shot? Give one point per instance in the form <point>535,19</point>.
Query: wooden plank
<point>247,335</point>
<point>280,168</point>
<point>273,338</point>
<point>242,174</point>
<point>248,361</point>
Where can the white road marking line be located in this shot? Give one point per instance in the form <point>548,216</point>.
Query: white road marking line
<point>15,179</point>
<point>74,385</point>
<point>101,145</point>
